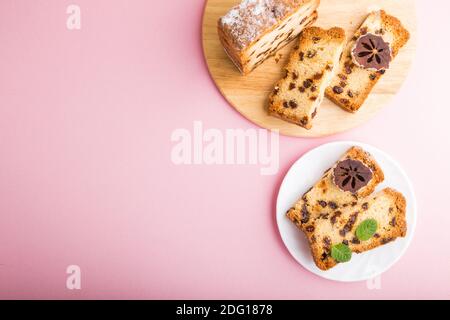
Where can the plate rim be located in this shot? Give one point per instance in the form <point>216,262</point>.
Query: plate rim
<point>411,224</point>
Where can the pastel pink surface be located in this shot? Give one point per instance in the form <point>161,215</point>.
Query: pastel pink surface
<point>86,176</point>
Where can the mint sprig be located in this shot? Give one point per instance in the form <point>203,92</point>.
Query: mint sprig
<point>367,229</point>
<point>341,253</point>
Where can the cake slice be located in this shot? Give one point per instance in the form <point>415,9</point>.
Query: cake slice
<point>373,222</point>
<point>353,177</point>
<point>256,29</point>
<point>309,71</point>
<point>366,58</point>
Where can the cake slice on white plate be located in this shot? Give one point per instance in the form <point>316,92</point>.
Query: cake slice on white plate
<point>373,222</point>
<point>341,215</point>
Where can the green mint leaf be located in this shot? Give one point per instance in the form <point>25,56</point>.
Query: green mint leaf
<point>366,229</point>
<point>341,253</point>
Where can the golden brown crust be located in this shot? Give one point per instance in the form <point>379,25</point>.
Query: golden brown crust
<point>332,33</point>
<point>357,90</point>
<point>400,204</point>
<point>234,55</point>
<point>395,26</point>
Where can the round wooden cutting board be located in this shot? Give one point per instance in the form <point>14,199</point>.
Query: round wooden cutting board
<point>249,94</point>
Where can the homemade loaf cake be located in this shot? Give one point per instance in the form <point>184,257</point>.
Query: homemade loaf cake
<point>366,58</point>
<point>256,29</point>
<point>309,71</point>
<point>373,222</point>
<point>353,177</point>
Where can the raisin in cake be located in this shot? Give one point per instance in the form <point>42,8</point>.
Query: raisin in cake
<point>353,177</point>
<point>297,97</point>
<point>256,29</point>
<point>386,209</point>
<point>366,58</point>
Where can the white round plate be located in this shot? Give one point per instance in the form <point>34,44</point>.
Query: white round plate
<point>305,173</point>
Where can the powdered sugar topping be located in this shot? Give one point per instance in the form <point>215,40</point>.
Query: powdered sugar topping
<point>247,21</point>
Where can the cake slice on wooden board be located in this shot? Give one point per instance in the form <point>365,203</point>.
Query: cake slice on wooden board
<point>256,29</point>
<point>297,96</point>
<point>373,222</point>
<point>366,58</point>
<point>353,177</point>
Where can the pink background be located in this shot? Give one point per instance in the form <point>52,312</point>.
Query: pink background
<point>86,177</point>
